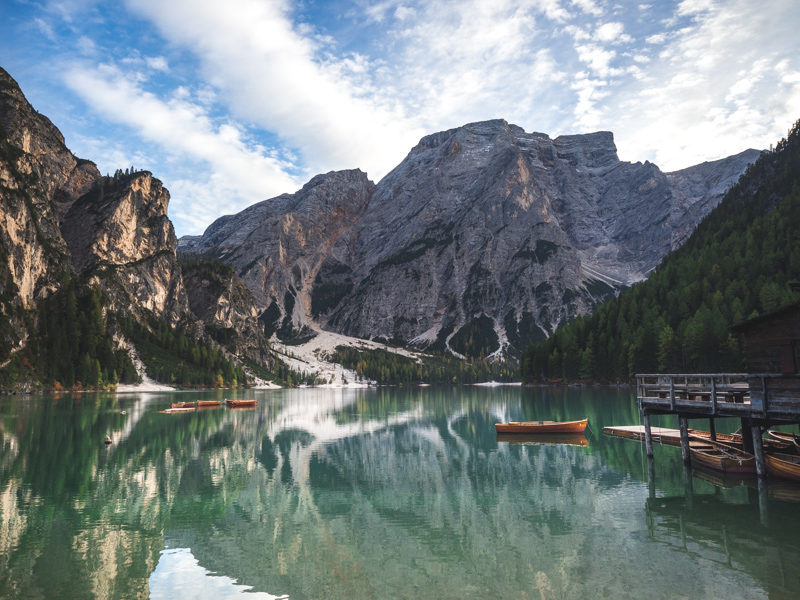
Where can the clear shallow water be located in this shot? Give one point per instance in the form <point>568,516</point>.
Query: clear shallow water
<point>382,493</point>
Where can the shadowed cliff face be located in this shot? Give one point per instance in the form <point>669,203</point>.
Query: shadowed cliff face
<point>278,246</point>
<point>484,238</point>
<point>120,236</point>
<point>39,176</point>
<point>228,309</point>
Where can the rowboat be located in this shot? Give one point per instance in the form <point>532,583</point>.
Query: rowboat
<point>542,426</point>
<point>721,457</point>
<point>672,437</point>
<point>727,438</point>
<point>240,403</point>
<point>787,438</point>
<point>182,405</point>
<point>786,466</point>
<point>543,439</point>
<point>207,403</point>
<point>178,410</point>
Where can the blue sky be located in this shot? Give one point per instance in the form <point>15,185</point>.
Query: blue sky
<point>233,102</point>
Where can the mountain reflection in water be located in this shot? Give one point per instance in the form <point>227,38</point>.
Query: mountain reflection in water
<point>380,493</point>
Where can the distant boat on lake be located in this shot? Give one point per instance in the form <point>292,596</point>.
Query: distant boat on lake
<point>542,426</point>
<point>241,403</point>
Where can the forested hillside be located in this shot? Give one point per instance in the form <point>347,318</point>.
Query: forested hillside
<point>736,265</point>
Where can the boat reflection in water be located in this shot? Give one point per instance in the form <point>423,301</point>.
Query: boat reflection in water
<point>537,439</point>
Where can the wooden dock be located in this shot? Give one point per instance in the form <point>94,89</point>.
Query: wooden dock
<point>661,435</point>
<point>759,400</point>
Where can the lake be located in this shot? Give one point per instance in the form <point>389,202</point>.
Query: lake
<point>373,493</point>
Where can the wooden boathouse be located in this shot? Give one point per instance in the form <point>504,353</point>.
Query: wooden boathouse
<point>767,395</point>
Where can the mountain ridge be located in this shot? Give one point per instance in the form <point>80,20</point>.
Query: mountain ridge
<point>482,226</point>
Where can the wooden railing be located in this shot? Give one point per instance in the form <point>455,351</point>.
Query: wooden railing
<point>762,394</point>
<point>713,387</point>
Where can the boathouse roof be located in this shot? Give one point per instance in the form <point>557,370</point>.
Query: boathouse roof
<point>768,316</point>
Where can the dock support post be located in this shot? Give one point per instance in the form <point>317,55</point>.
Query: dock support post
<point>747,436</point>
<point>763,502</point>
<point>758,450</point>
<point>712,428</point>
<point>687,457</point>
<point>648,436</point>
<point>688,486</point>
<point>651,478</point>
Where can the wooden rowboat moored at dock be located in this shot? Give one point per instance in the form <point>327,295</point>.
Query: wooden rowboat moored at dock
<point>787,438</point>
<point>208,403</point>
<point>542,426</point>
<point>786,466</point>
<point>241,403</point>
<point>721,457</point>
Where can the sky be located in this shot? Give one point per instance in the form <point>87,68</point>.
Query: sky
<point>230,103</point>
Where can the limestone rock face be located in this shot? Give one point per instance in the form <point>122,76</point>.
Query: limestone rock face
<point>228,310</point>
<point>484,238</point>
<point>119,235</point>
<point>37,175</point>
<point>278,246</point>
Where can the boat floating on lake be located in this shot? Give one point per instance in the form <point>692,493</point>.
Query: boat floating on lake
<point>542,426</point>
<point>208,403</point>
<point>182,405</point>
<point>240,403</point>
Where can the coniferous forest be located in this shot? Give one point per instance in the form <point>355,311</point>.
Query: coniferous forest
<point>74,346</point>
<point>736,265</point>
<point>390,368</point>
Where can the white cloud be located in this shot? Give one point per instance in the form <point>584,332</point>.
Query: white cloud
<point>157,63</point>
<point>589,7</point>
<point>694,7</point>
<point>716,88</point>
<point>273,77</point>
<point>715,78</point>
<point>45,29</point>
<point>234,171</point>
<point>611,32</point>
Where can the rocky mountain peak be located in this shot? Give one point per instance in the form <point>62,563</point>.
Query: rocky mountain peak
<point>483,239</point>
<point>590,151</point>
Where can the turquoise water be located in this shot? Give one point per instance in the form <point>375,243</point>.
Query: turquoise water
<point>377,493</point>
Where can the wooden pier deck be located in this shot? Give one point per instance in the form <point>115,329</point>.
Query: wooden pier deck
<point>662,435</point>
<point>760,400</point>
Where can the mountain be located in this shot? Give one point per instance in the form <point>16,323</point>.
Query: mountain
<point>89,262</point>
<point>737,264</point>
<point>484,239</point>
<point>39,179</point>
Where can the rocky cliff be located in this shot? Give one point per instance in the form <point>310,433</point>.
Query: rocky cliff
<point>39,178</point>
<point>119,236</point>
<point>484,238</point>
<point>58,216</point>
<point>278,246</point>
<point>219,298</point>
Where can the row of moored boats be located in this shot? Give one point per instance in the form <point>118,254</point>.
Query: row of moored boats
<point>190,406</point>
<point>727,453</point>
